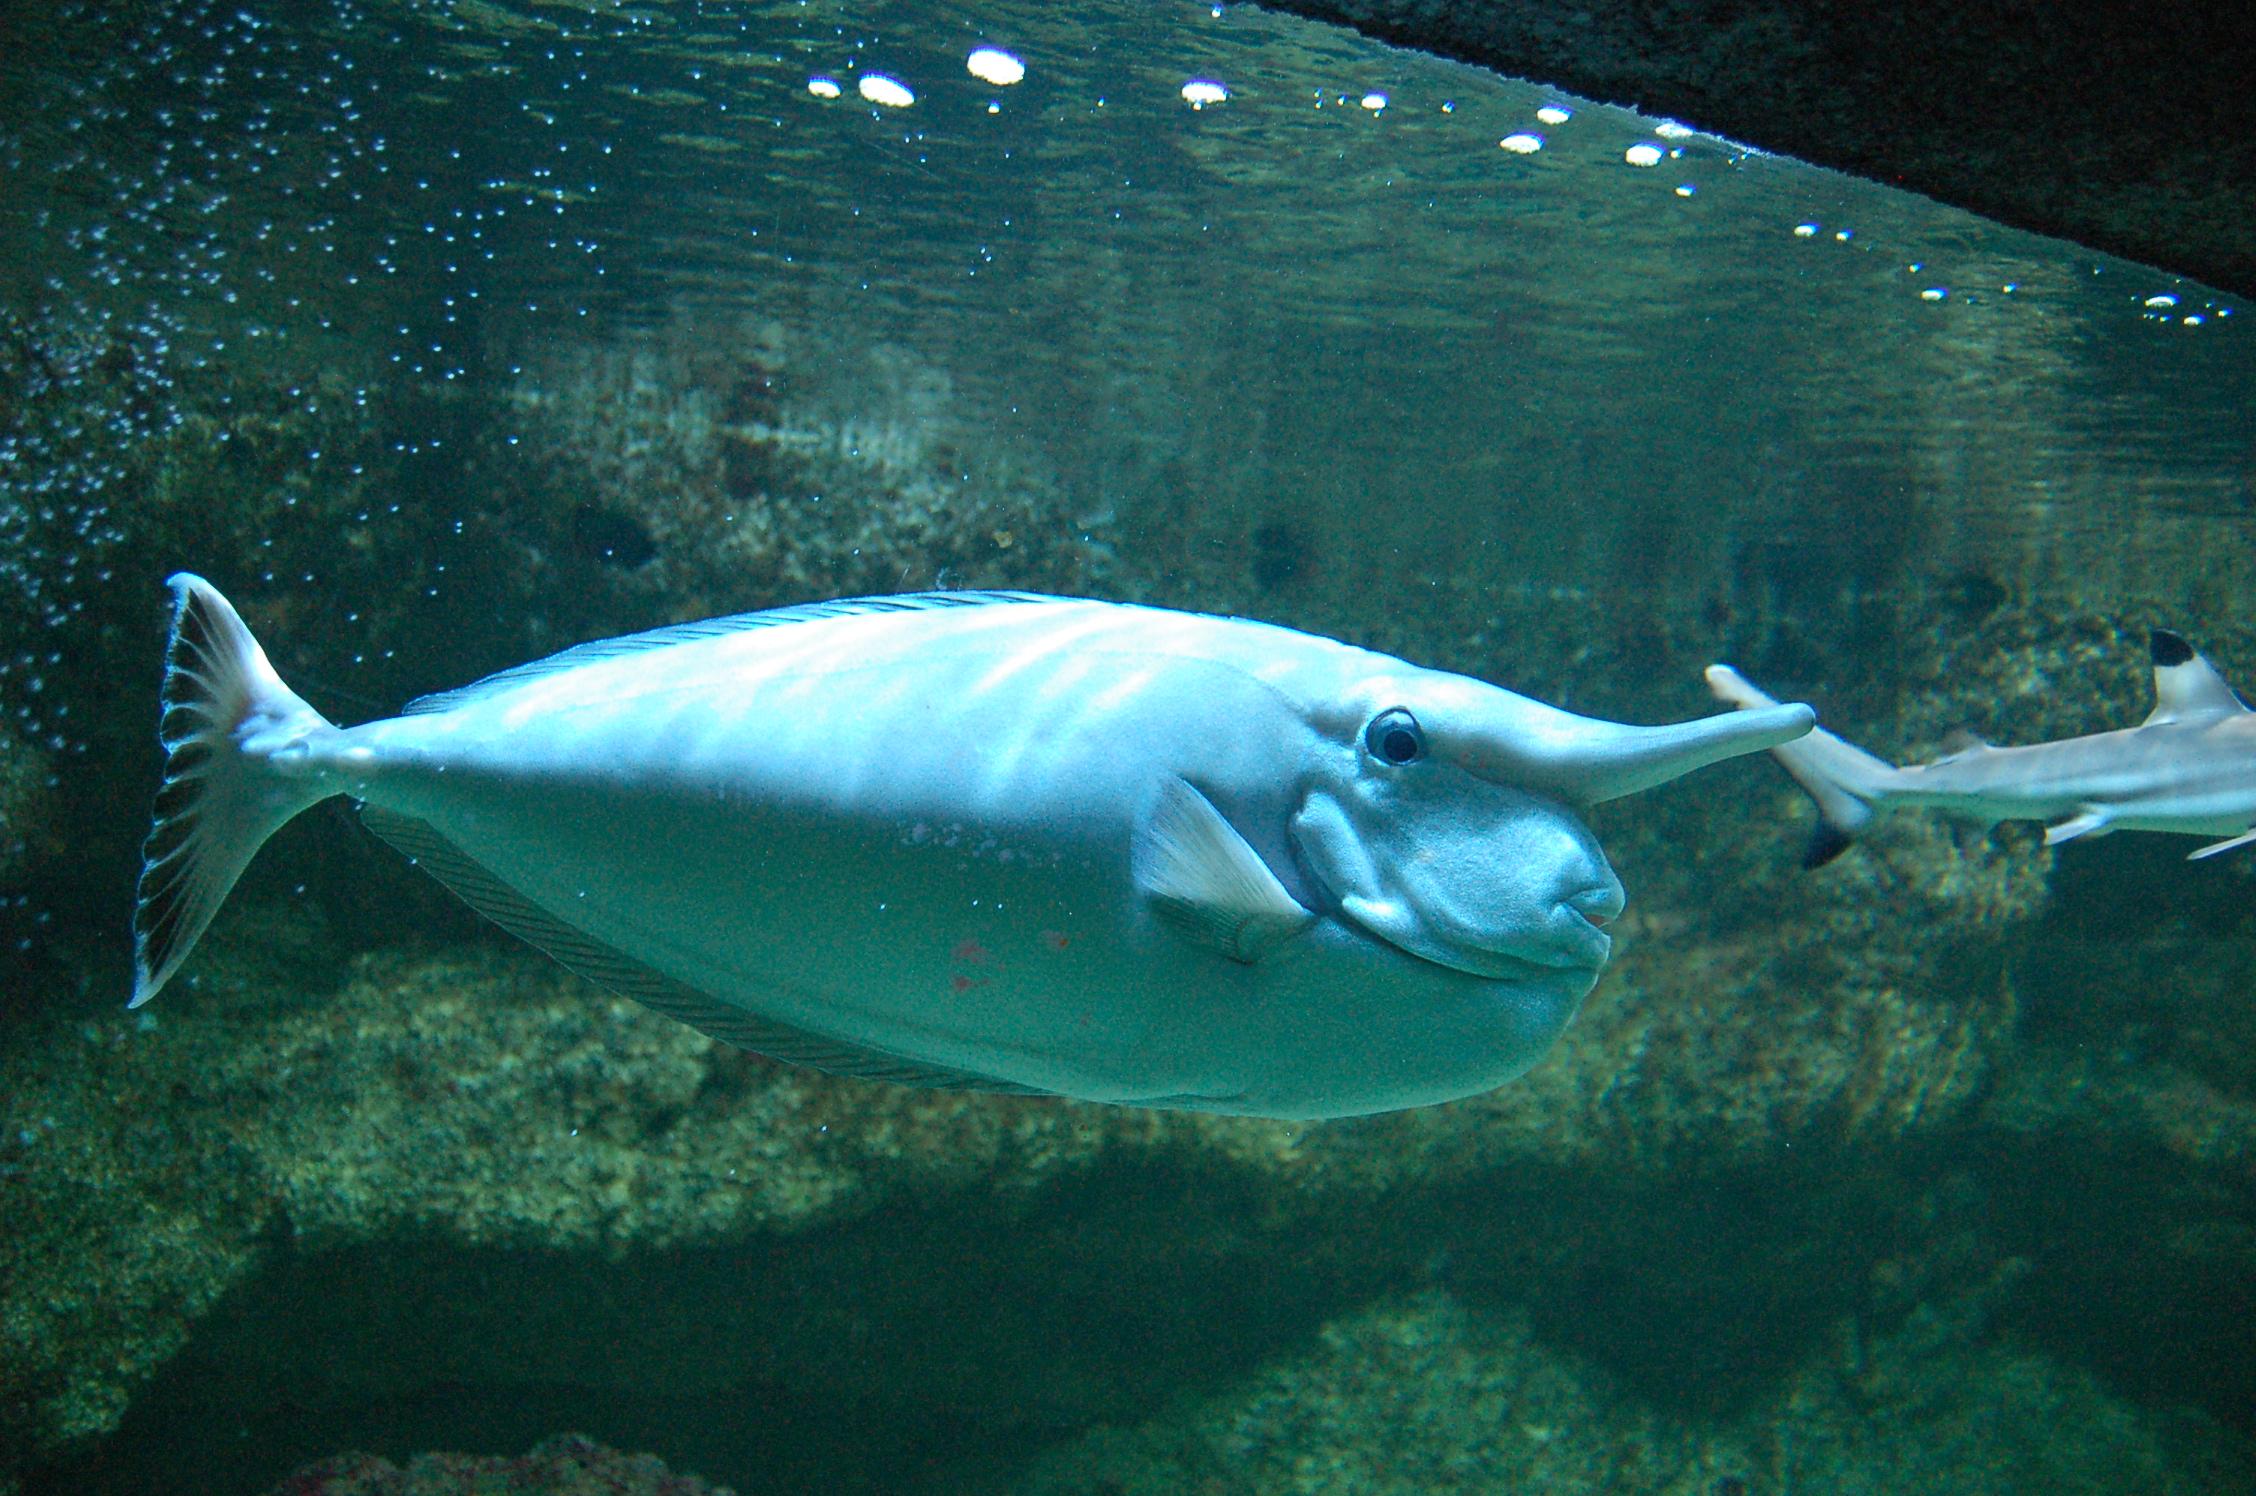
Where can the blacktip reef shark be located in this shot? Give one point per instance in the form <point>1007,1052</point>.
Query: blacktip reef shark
<point>988,841</point>
<point>2189,767</point>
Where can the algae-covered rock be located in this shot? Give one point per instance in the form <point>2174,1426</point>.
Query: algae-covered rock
<point>708,469</point>
<point>28,806</point>
<point>386,538</point>
<point>322,1095</point>
<point>567,1465</point>
<point>442,1105</point>
<point>1426,1393</point>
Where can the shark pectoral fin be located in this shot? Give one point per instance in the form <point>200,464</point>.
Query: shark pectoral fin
<point>1207,884</point>
<point>2089,822</point>
<point>2226,845</point>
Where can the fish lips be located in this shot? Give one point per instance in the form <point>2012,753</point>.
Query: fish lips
<point>1564,940</point>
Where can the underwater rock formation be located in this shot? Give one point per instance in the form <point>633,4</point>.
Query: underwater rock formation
<point>1428,1393</point>
<point>469,528</point>
<point>564,1466</point>
<point>342,1129</point>
<point>27,807</point>
<point>345,1148</point>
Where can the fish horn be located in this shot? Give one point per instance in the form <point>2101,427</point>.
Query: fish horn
<point>1586,759</point>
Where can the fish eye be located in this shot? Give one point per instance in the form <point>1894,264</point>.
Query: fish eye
<point>1394,737</point>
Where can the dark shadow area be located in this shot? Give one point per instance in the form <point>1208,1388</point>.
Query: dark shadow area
<point>939,1349</point>
<point>872,1358</point>
<point>2130,887</point>
<point>2140,1269</point>
<point>2139,959</point>
<point>1698,1294</point>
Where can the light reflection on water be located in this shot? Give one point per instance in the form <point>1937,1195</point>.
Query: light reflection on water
<point>1476,338</point>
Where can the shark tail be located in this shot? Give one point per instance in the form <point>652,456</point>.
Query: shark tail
<point>233,736</point>
<point>1843,779</point>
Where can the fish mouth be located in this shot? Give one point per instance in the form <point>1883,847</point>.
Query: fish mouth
<point>1586,951</point>
<point>1567,940</point>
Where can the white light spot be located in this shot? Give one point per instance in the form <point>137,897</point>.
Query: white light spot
<point>879,89</point>
<point>1522,145</point>
<point>1935,293</point>
<point>2193,319</point>
<point>1669,129</point>
<point>1685,189</point>
<point>1552,114</point>
<point>2159,302</point>
<point>1643,155</point>
<point>994,65</point>
<point>1805,230</point>
<point>1374,102</point>
<point>1844,235</point>
<point>1200,92</point>
<point>823,88</point>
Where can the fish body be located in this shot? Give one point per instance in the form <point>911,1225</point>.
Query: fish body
<point>2190,768</point>
<point>992,841</point>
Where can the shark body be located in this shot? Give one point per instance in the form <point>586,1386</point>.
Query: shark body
<point>2189,768</point>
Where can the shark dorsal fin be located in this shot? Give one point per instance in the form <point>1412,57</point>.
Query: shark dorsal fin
<point>2186,685</point>
<point>1960,743</point>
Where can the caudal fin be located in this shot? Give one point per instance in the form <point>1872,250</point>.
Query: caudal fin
<point>226,717</point>
<point>1841,777</point>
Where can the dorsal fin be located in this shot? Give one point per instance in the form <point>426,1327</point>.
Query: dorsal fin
<point>1961,742</point>
<point>2185,684</point>
<point>704,628</point>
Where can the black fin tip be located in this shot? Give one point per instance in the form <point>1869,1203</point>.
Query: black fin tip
<point>1827,842</point>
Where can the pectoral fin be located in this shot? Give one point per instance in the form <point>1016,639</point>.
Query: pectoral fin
<point>2226,845</point>
<point>2090,822</point>
<point>1206,884</point>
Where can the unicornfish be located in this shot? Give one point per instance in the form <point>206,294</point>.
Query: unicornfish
<point>980,840</point>
<point>2189,767</point>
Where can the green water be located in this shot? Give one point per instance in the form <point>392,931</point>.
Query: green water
<point>445,335</point>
